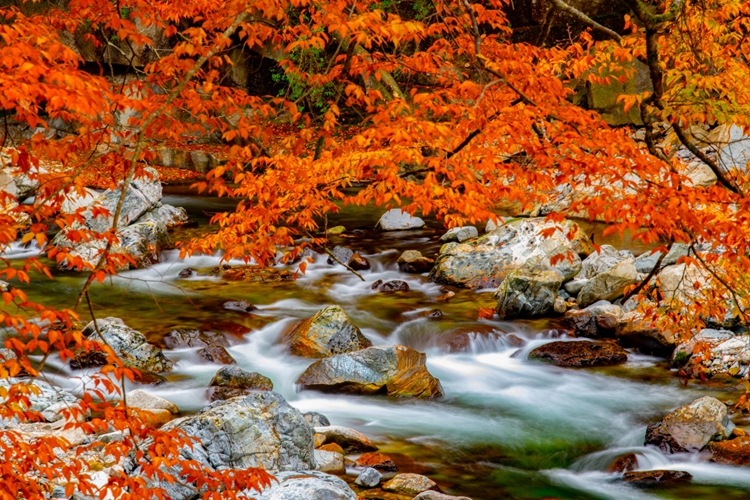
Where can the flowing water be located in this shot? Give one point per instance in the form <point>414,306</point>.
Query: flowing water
<point>506,428</point>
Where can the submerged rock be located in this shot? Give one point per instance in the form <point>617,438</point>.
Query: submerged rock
<point>527,294</point>
<point>410,484</point>
<point>395,219</point>
<point>232,381</point>
<point>129,345</point>
<point>330,331</point>
<point>655,477</point>
<point>239,306</point>
<point>486,262</point>
<point>412,261</point>
<point>691,427</point>
<point>625,463</point>
<point>306,485</point>
<point>396,370</point>
<point>580,353</point>
<point>350,440</point>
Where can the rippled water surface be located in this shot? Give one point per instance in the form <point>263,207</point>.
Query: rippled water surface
<point>507,427</point>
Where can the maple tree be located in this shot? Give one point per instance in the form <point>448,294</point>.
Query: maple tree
<point>436,110</point>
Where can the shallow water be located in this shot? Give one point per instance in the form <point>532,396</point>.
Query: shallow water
<point>506,428</point>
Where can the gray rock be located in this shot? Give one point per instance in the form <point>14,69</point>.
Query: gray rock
<point>434,495</point>
<point>484,263</point>
<point>350,440</point>
<point>409,484</point>
<point>307,485</point>
<point>330,331</point>
<point>645,262</point>
<point>460,234</point>
<point>183,339</point>
<point>608,285</point>
<point>258,430</point>
<point>232,381</point>
<point>343,254</point>
<point>678,281</point>
<point>527,294</point>
<point>735,155</point>
<point>395,219</point>
<point>605,259</point>
<point>396,370</point>
<point>145,401</point>
<point>574,286</point>
<point>691,427</point>
<point>369,478</point>
<point>491,225</point>
<point>49,401</point>
<point>329,461</point>
<point>129,345</point>
<point>727,354</point>
<point>166,214</point>
<point>75,200</point>
<point>316,419</point>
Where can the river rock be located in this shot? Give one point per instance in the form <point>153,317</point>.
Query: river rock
<point>183,339</point>
<point>232,381</point>
<point>376,461</point>
<point>368,478</point>
<point>343,255</point>
<point>653,477</point>
<point>645,262</point>
<point>166,214</point>
<point>329,461</point>
<point>145,401</point>
<point>391,286</point>
<point>580,353</point>
<point>605,259</point>
<point>242,306</point>
<point>460,234</point>
<point>633,330</point>
<point>334,447</point>
<point>608,285</point>
<point>330,331</point>
<point>691,427</point>
<point>216,354</point>
<point>733,452</point>
<point>258,430</point>
<point>316,419</point>
<point>48,400</point>
<point>597,320</point>
<point>396,370</point>
<point>75,200</point>
<point>625,463</point>
<point>436,495</point>
<point>678,282</point>
<point>486,262</point>
<point>527,294</point>
<point>412,261</point>
<point>307,485</point>
<point>129,345</point>
<point>727,353</point>
<point>359,263</point>
<point>395,219</point>
<point>350,440</point>
<point>735,154</point>
<point>410,484</point>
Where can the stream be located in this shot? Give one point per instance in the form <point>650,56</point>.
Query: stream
<point>506,428</point>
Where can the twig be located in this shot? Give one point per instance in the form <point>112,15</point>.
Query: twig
<point>345,265</point>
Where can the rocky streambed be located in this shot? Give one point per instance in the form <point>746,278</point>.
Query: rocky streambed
<point>394,388</point>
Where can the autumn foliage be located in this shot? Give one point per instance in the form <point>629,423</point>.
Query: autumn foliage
<point>439,112</point>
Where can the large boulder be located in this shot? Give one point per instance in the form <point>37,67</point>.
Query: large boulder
<point>307,485</point>
<point>396,370</point>
<point>723,353</point>
<point>412,261</point>
<point>634,330</point>
<point>691,427</point>
<point>396,219</point>
<point>645,262</point>
<point>597,320</point>
<point>130,345</point>
<point>605,259</point>
<point>608,285</point>
<point>232,381</point>
<point>487,261</point>
<point>258,430</point>
<point>527,294</point>
<point>330,331</point>
<point>580,353</point>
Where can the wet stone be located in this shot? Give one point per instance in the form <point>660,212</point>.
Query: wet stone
<point>239,306</point>
<point>625,463</point>
<point>656,477</point>
<point>368,478</point>
<point>232,381</point>
<point>376,461</point>
<point>316,419</point>
<point>580,353</point>
<point>183,339</point>
<point>216,354</point>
